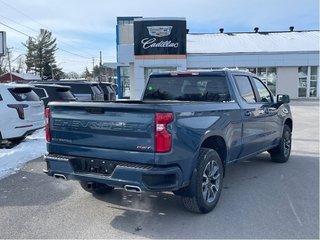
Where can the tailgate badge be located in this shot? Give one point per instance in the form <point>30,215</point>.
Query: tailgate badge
<point>143,147</point>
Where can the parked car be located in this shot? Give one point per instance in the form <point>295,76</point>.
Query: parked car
<point>109,92</point>
<point>53,92</point>
<point>115,88</point>
<point>82,90</point>
<point>22,111</point>
<point>180,137</point>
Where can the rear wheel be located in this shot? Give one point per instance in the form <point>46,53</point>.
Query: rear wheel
<point>16,140</point>
<point>281,153</point>
<point>208,183</point>
<point>96,188</point>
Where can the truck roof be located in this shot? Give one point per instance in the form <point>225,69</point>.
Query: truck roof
<point>199,72</point>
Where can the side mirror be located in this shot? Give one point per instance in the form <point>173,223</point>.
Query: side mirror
<point>281,98</point>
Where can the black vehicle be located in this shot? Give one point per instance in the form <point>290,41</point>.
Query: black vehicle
<point>82,90</point>
<point>109,92</point>
<point>115,88</point>
<point>53,92</point>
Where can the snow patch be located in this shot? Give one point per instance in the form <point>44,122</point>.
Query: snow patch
<point>11,160</point>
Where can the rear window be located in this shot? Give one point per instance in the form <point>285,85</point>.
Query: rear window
<point>64,93</point>
<point>24,94</point>
<point>40,92</point>
<point>193,88</point>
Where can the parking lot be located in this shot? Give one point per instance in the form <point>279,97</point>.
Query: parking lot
<point>260,199</point>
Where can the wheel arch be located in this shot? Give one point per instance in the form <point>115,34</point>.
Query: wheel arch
<point>289,123</point>
<point>218,144</point>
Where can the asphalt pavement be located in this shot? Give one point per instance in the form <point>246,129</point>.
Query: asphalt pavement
<point>260,199</point>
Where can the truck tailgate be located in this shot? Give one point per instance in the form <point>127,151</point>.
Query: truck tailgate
<point>102,128</point>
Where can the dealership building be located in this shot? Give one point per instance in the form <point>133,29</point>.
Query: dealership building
<point>286,61</point>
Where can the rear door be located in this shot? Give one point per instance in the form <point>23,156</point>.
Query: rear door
<point>29,101</point>
<point>253,129</point>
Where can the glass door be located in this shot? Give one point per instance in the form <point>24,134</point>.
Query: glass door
<point>303,81</point>
<point>313,82</point>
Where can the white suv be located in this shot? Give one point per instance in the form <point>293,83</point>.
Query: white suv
<point>21,111</point>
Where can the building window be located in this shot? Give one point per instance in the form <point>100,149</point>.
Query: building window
<point>308,81</point>
<point>125,82</point>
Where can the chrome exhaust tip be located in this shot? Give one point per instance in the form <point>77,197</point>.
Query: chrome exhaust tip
<point>132,188</point>
<point>57,175</point>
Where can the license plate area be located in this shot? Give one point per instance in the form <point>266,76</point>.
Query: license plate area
<point>93,166</point>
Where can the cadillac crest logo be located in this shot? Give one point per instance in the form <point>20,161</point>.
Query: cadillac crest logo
<point>159,31</point>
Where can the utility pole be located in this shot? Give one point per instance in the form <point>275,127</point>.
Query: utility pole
<point>92,68</point>
<point>52,77</point>
<point>9,61</point>
<point>100,68</point>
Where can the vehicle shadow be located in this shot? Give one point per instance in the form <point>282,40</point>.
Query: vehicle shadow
<point>162,215</point>
<point>19,189</point>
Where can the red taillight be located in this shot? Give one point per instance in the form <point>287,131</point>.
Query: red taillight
<point>19,108</point>
<point>47,115</point>
<point>162,138</point>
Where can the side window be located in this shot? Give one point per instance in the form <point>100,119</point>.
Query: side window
<point>1,98</point>
<point>264,94</point>
<point>245,88</point>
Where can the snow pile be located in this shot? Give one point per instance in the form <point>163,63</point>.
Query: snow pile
<point>32,147</point>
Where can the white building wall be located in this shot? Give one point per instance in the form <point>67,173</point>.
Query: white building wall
<point>252,60</point>
<point>287,82</point>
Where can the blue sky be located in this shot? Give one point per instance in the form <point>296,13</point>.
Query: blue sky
<point>85,27</point>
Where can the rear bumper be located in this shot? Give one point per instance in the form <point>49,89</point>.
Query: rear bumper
<point>146,177</point>
<point>21,129</point>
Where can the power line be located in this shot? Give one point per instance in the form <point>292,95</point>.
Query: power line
<point>8,5</point>
<point>16,30</point>
<point>72,53</point>
<point>19,23</point>
<point>61,49</point>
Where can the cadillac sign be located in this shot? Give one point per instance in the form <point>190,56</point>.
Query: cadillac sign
<point>159,37</point>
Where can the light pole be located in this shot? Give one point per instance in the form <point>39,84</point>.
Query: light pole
<point>52,77</point>
<point>9,61</point>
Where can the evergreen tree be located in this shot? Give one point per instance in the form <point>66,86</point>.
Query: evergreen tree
<point>96,72</point>
<point>40,56</point>
<point>31,54</point>
<point>86,74</point>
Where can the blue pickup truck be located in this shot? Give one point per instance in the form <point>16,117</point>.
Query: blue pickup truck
<point>179,137</point>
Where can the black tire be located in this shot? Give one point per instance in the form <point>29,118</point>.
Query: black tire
<point>208,183</point>
<point>281,153</point>
<point>96,188</point>
<point>16,140</point>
